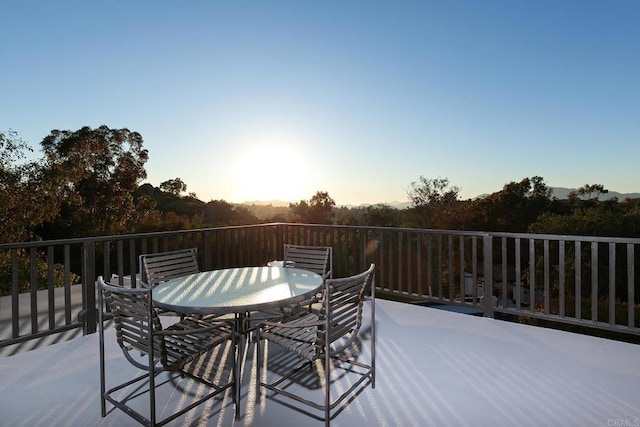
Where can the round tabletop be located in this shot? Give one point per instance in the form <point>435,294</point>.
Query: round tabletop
<point>236,290</point>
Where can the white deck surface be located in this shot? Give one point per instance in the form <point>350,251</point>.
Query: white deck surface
<point>433,368</point>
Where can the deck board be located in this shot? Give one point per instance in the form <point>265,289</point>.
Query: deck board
<point>434,368</point>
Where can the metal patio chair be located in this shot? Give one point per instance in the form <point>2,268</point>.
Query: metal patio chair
<point>318,259</point>
<point>163,266</point>
<point>328,336</point>
<point>139,333</point>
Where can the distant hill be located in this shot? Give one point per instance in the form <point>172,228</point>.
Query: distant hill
<point>274,203</point>
<point>283,204</point>
<point>269,208</point>
<point>563,193</point>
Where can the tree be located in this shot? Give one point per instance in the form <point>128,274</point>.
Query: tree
<point>612,220</point>
<point>382,215</point>
<point>319,210</point>
<point>539,189</point>
<point>26,196</point>
<point>146,217</point>
<point>349,216</point>
<point>589,192</point>
<point>516,206</point>
<point>433,198</point>
<point>174,186</point>
<point>587,196</point>
<point>219,213</point>
<point>97,172</point>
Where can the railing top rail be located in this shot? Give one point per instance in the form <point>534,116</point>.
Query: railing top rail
<point>568,237</point>
<point>576,238</point>
<point>123,236</point>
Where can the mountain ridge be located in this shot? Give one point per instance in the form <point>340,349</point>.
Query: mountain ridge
<point>562,193</point>
<point>558,192</point>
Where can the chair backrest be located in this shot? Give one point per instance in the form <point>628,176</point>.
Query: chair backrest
<point>318,259</point>
<point>342,303</point>
<point>134,316</point>
<point>162,266</point>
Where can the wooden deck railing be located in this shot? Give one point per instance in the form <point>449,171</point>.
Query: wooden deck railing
<point>49,286</point>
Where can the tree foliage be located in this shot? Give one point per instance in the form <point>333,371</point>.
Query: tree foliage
<point>619,220</point>
<point>219,213</point>
<point>96,172</point>
<point>27,196</point>
<point>516,206</point>
<point>173,186</point>
<point>318,210</point>
<point>88,184</point>
<point>433,199</point>
<point>589,192</point>
<point>382,215</point>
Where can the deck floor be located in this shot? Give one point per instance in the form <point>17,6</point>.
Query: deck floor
<point>433,368</point>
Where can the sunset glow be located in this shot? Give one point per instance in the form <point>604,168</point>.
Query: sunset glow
<point>257,100</point>
<point>273,168</point>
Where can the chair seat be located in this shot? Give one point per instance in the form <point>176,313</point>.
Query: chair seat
<point>180,349</point>
<point>300,341</point>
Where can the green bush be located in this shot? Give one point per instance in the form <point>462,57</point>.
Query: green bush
<point>24,269</point>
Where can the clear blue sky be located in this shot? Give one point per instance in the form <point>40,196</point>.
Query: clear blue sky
<point>255,100</point>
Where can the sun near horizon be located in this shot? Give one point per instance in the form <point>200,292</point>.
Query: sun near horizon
<point>272,167</point>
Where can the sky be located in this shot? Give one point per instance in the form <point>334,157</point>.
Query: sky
<point>262,100</point>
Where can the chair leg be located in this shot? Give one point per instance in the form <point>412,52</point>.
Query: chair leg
<point>373,339</point>
<point>103,402</point>
<point>258,366</point>
<point>236,376</point>
<point>327,387</point>
<point>152,391</point>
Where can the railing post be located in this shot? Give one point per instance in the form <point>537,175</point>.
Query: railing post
<point>89,286</point>
<point>487,255</point>
<point>279,239</point>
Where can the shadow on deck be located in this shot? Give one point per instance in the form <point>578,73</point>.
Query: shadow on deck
<point>433,368</point>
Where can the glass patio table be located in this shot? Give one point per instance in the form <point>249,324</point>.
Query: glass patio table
<point>236,290</point>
